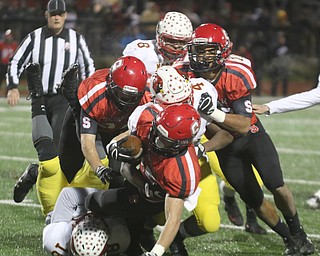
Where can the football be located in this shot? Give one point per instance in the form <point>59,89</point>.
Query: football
<point>134,143</point>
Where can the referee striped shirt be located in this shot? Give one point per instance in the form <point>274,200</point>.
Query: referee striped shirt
<point>54,53</point>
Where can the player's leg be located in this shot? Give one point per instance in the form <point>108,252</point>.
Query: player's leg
<point>266,160</point>
<point>29,176</point>
<point>231,205</point>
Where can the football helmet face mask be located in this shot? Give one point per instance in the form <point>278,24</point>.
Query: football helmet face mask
<point>89,236</point>
<point>174,129</point>
<point>126,82</point>
<point>209,48</point>
<point>173,33</point>
<point>167,86</point>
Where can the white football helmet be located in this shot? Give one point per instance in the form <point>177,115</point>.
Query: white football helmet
<point>174,26</point>
<point>89,237</point>
<point>167,86</point>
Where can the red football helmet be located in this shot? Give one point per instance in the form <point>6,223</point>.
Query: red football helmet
<point>126,82</point>
<point>174,129</point>
<point>209,48</point>
<point>172,35</point>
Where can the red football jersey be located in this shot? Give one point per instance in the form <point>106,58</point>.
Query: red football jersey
<point>179,175</point>
<point>93,100</point>
<point>236,81</point>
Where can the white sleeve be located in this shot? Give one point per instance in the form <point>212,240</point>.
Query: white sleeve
<point>70,204</point>
<point>134,117</point>
<point>56,238</point>
<point>296,101</point>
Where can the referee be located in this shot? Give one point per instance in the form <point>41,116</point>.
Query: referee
<point>55,48</point>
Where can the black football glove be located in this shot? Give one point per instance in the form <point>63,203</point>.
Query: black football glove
<point>115,151</point>
<point>202,152</point>
<point>149,254</point>
<point>205,104</point>
<point>105,174</point>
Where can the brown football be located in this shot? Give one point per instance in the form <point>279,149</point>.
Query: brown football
<point>133,142</point>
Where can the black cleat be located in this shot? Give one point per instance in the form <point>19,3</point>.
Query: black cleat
<point>255,228</point>
<point>291,248</point>
<point>306,247</point>
<point>177,247</point>
<point>69,83</point>
<point>25,182</point>
<point>233,211</point>
<point>34,81</point>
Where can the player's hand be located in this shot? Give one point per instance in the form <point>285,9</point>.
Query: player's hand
<point>205,104</point>
<point>105,174</point>
<point>115,151</point>
<point>260,109</point>
<point>13,96</point>
<point>153,192</point>
<point>149,254</point>
<point>202,152</point>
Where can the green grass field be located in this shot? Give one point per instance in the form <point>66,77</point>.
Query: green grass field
<point>296,136</point>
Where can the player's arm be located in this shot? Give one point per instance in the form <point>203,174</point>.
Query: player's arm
<point>173,212</point>
<point>88,131</point>
<point>217,138</point>
<point>239,121</point>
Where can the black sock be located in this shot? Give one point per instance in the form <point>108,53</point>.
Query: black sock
<point>293,223</point>
<point>37,106</point>
<point>190,228</point>
<point>282,229</point>
<point>251,215</point>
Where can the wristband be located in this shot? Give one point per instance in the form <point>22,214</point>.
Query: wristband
<point>158,250</point>
<point>218,116</point>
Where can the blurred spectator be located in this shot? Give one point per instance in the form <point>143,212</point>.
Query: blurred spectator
<point>133,32</point>
<point>259,50</point>
<point>279,66</point>
<point>150,16</point>
<point>7,47</point>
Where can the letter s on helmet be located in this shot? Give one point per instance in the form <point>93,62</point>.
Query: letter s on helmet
<point>213,37</point>
<point>126,82</point>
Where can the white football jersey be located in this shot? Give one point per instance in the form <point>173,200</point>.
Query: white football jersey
<point>145,50</point>
<point>201,86</point>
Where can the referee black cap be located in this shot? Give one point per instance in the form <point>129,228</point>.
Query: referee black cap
<point>56,6</point>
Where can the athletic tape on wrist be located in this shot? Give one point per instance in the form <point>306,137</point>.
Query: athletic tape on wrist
<point>158,250</point>
<point>218,116</point>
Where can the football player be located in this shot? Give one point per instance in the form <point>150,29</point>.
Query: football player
<point>173,32</point>
<point>50,179</point>
<point>168,162</point>
<point>71,226</point>
<point>107,99</point>
<point>169,87</point>
<point>210,57</point>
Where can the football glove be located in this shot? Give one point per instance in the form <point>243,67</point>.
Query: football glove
<point>202,152</point>
<point>153,192</point>
<point>205,104</point>
<point>105,174</point>
<point>149,254</point>
<point>115,151</point>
